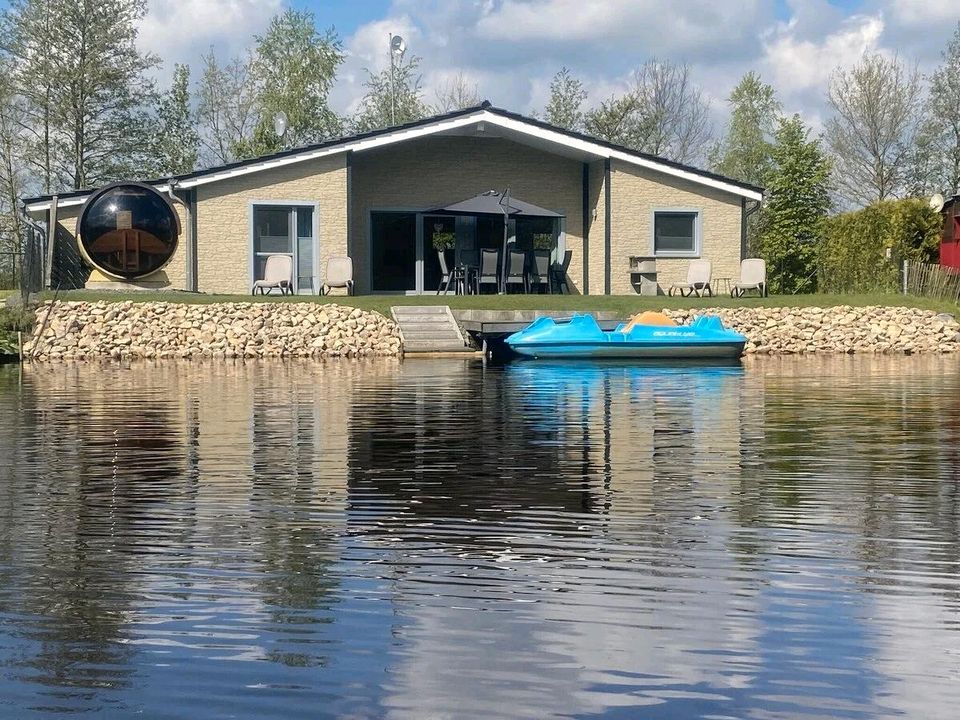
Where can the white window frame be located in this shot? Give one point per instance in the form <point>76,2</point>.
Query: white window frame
<point>697,233</point>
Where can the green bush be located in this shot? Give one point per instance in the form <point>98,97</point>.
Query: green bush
<point>14,319</point>
<point>862,251</point>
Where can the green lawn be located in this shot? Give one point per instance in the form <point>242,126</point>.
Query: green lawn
<point>623,304</point>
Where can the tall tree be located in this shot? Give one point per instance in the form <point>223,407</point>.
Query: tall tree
<point>13,174</point>
<point>565,107</point>
<point>456,94</point>
<point>29,27</point>
<point>876,117</point>
<point>663,112</point>
<point>797,203</point>
<point>944,115</point>
<point>294,68</point>
<point>393,96</point>
<point>744,152</point>
<point>99,110</point>
<point>226,107</point>
<point>176,135</point>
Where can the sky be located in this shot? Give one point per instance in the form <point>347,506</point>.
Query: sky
<point>511,48</point>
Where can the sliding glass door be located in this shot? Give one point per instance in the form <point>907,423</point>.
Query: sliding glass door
<point>286,230</point>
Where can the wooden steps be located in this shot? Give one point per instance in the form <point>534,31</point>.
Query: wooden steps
<point>429,329</point>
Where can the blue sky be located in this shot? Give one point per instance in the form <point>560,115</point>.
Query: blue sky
<point>510,49</point>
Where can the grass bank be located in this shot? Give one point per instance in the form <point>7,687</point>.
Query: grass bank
<point>622,304</point>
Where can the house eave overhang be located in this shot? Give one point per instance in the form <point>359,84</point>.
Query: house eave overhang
<point>515,127</point>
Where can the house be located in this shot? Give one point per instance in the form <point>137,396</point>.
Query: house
<point>370,197</point>
<point>950,238</point>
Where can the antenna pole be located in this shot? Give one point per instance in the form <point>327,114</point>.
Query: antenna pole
<point>393,91</point>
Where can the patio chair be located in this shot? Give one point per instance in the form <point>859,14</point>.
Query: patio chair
<point>538,273</point>
<point>489,267</point>
<point>699,275</point>
<point>753,276</point>
<point>277,273</point>
<point>558,272</point>
<point>516,270</point>
<point>339,274</point>
<point>470,267</point>
<point>448,276</point>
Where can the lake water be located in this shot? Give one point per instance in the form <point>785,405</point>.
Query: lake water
<point>440,539</point>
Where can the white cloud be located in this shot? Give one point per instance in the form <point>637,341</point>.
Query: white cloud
<point>796,64</point>
<point>182,30</point>
<point>924,13</point>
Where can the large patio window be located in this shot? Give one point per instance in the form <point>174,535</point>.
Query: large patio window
<point>676,233</point>
<point>285,230</point>
<point>393,251</point>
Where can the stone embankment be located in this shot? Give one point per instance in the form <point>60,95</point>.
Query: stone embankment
<point>78,330</point>
<point>840,329</point>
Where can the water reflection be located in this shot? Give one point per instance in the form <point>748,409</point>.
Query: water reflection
<point>437,538</point>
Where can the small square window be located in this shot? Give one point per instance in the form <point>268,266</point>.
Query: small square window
<point>675,233</point>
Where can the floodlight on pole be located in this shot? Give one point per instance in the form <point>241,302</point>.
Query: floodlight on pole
<point>397,47</point>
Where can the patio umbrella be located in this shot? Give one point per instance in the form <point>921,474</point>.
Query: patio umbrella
<point>494,202</point>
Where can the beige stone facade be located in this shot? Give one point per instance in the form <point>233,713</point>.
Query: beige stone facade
<point>224,212</point>
<point>637,193</point>
<point>432,171</point>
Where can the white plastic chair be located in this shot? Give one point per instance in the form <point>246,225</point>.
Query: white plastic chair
<point>339,274</point>
<point>699,275</point>
<point>753,276</point>
<point>277,273</point>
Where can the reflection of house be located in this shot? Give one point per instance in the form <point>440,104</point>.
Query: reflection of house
<point>369,196</point>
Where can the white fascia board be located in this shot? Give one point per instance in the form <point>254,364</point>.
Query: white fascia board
<point>390,138</point>
<point>605,152</point>
<point>45,205</point>
<point>74,201</point>
<point>364,144</point>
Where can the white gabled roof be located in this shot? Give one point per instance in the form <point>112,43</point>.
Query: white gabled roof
<point>515,125</point>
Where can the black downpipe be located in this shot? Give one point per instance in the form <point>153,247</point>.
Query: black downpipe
<point>587,221</point>
<point>606,227</point>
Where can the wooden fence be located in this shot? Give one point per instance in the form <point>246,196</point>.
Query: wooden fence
<point>933,281</point>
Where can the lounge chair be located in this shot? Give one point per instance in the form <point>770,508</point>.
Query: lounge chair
<point>516,270</point>
<point>277,273</point>
<point>753,276</point>
<point>538,273</point>
<point>339,274</point>
<point>558,272</point>
<point>699,275</point>
<point>489,266</point>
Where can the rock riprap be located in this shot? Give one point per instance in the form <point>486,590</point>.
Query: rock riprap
<point>77,330</point>
<point>839,329</point>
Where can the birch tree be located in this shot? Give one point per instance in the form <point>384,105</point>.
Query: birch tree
<point>177,141</point>
<point>944,117</point>
<point>226,107</point>
<point>876,118</point>
<point>455,93</point>
<point>745,151</point>
<point>393,96</point>
<point>565,107</point>
<point>662,112</point>
<point>30,42</point>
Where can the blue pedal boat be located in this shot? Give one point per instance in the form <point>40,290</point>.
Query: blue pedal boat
<point>582,337</point>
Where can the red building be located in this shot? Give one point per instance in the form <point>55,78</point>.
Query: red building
<point>950,240</point>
